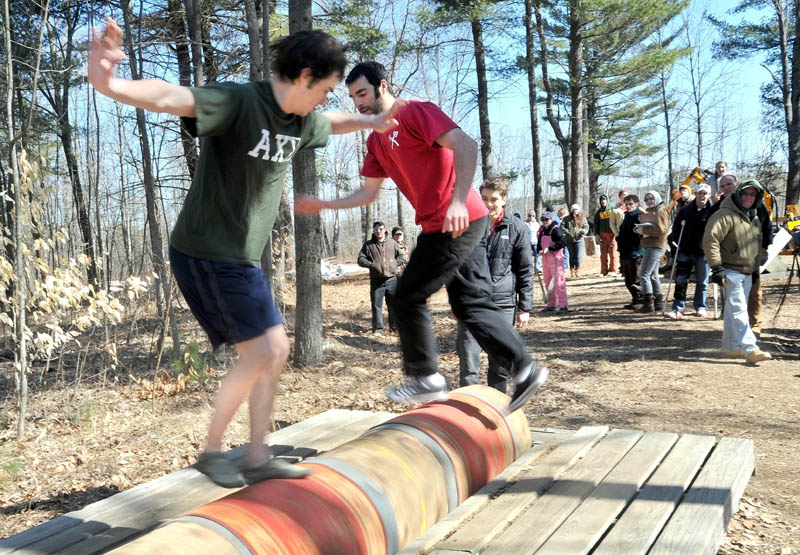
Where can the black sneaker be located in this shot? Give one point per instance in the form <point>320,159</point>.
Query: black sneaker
<point>535,376</point>
<point>274,468</point>
<point>219,470</point>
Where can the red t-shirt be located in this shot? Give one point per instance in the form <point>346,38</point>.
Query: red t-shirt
<point>422,170</point>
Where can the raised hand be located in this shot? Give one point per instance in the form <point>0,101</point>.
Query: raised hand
<point>104,54</point>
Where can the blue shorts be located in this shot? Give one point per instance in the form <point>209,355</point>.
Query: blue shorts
<point>232,302</point>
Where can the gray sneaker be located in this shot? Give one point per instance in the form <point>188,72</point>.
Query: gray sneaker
<point>418,390</point>
<point>219,470</point>
<point>274,468</point>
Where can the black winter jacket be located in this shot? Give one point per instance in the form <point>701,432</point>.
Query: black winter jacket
<point>509,251</point>
<point>692,241</point>
<point>627,239</point>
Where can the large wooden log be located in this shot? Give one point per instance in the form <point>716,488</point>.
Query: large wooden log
<point>372,495</point>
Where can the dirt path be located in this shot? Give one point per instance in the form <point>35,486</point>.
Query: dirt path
<point>609,367</point>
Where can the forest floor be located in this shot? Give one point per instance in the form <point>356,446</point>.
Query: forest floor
<point>90,437</point>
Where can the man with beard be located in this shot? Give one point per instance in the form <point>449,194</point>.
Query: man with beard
<point>432,161</point>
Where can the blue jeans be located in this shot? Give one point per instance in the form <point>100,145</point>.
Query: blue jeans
<point>648,271</point>
<point>377,291</point>
<point>537,259</point>
<point>575,254</point>
<point>736,332</point>
<point>683,270</point>
<point>469,359</point>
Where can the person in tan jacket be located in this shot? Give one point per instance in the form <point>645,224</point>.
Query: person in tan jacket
<point>732,244</point>
<point>654,228</point>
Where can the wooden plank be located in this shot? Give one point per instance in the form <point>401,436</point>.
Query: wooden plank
<point>339,428</point>
<point>640,524</point>
<point>499,513</point>
<point>128,513</point>
<point>535,524</point>
<point>544,441</point>
<point>587,524</point>
<point>163,483</point>
<point>700,521</point>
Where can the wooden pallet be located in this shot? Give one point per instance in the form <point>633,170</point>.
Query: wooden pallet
<point>605,492</point>
<point>595,489</point>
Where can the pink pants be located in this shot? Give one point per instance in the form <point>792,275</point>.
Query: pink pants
<point>553,269</point>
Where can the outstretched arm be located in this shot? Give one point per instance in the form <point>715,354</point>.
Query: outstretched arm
<point>153,95</point>
<point>347,123</point>
<point>465,156</point>
<point>305,204</point>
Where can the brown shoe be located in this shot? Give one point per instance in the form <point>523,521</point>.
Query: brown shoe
<point>757,355</point>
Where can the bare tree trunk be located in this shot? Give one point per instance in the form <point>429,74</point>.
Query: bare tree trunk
<point>563,142</point>
<point>576,100</point>
<point>153,219</point>
<point>178,27</point>
<point>668,127</point>
<point>790,86</point>
<point>400,218</point>
<point>483,99</point>
<point>530,65</point>
<point>206,10</point>
<point>254,41</point>
<point>126,239</point>
<point>21,351</point>
<point>193,14</point>
<point>308,326</point>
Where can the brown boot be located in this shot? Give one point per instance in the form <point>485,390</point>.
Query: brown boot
<point>647,304</point>
<point>658,302</point>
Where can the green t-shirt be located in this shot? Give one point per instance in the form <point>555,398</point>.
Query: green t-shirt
<point>232,203</point>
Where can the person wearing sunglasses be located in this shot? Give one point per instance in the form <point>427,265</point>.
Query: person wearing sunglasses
<point>732,243</point>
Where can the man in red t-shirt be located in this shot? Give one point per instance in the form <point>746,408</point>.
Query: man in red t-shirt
<point>432,161</point>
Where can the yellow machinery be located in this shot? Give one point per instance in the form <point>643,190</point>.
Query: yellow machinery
<point>695,175</point>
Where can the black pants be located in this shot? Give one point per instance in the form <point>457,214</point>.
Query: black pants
<point>461,265</point>
<point>630,271</point>
<point>378,289</point>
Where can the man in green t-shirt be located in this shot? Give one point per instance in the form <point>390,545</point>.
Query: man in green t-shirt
<point>251,131</point>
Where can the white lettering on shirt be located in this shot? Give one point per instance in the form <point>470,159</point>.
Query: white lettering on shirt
<point>281,141</point>
<point>263,144</point>
<point>393,139</point>
<point>279,154</point>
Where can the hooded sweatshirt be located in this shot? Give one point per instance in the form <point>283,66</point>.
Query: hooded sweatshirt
<point>655,236</point>
<point>733,235</point>
<point>602,217</point>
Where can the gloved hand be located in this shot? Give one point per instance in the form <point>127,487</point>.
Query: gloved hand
<point>718,276</point>
<point>762,257</point>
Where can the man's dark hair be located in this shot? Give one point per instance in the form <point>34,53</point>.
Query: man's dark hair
<point>498,184</point>
<point>374,73</point>
<point>312,49</point>
<point>378,224</point>
<point>396,229</point>
<point>631,198</point>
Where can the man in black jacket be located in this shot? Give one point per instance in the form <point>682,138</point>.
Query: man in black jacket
<point>384,258</point>
<point>510,264</point>
<point>687,235</point>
